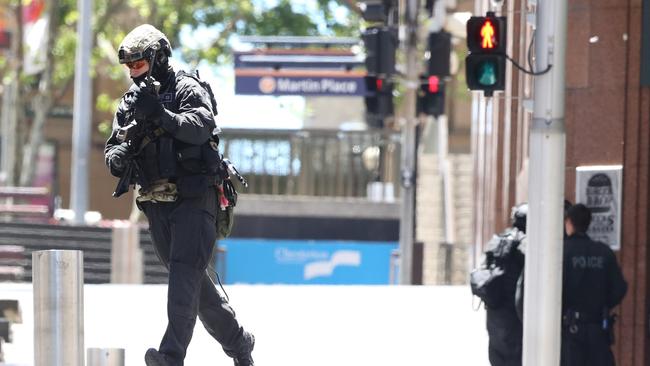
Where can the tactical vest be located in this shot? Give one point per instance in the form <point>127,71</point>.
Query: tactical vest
<point>164,157</point>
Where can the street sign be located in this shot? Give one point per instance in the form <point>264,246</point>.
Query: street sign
<point>332,69</point>
<point>300,82</point>
<point>292,59</point>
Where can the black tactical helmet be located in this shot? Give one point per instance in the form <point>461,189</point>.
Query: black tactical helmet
<point>518,216</point>
<point>143,42</point>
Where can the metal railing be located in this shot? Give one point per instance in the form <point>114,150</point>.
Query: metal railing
<point>313,162</point>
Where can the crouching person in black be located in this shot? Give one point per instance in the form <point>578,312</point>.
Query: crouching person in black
<point>592,285</point>
<point>163,140</point>
<point>495,283</point>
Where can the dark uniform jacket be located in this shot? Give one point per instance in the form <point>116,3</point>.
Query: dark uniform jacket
<point>592,285</point>
<point>188,123</point>
<point>592,279</point>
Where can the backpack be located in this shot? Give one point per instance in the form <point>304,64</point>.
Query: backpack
<point>487,281</point>
<point>226,193</point>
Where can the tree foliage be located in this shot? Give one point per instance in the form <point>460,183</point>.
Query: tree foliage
<point>113,19</point>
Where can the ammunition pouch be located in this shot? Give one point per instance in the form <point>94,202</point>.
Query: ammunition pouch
<point>227,199</point>
<point>487,283</point>
<point>166,157</point>
<point>202,159</point>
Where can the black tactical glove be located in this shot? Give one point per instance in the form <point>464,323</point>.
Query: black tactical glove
<point>116,159</point>
<point>147,105</point>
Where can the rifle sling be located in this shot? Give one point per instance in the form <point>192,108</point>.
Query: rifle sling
<point>149,138</point>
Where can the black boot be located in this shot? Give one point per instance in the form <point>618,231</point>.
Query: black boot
<point>155,358</point>
<point>242,356</point>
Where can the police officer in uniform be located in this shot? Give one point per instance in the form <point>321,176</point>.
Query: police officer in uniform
<point>592,285</point>
<point>505,329</point>
<point>176,168</point>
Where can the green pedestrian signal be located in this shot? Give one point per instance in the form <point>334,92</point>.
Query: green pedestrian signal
<point>485,65</point>
<point>487,73</point>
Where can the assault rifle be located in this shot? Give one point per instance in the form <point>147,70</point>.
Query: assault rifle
<point>230,168</point>
<point>134,134</point>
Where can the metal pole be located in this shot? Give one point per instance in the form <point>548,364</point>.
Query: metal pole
<point>446,173</point>
<point>105,357</point>
<point>126,255</point>
<point>543,286</point>
<point>8,129</point>
<point>406,228</point>
<point>81,120</point>
<point>58,308</point>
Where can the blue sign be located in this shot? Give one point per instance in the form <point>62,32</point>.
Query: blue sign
<point>328,83</point>
<point>263,261</point>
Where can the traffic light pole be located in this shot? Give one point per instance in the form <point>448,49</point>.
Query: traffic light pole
<point>81,120</point>
<point>406,229</point>
<point>543,274</point>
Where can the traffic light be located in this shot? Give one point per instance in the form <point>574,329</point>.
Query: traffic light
<point>378,11</point>
<point>379,100</point>
<point>431,96</point>
<point>381,44</point>
<point>485,66</point>
<point>439,53</point>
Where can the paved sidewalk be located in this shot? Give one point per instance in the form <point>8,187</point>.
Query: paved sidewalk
<point>293,325</point>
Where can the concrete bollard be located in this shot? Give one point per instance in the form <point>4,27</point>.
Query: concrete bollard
<point>105,357</point>
<point>58,307</point>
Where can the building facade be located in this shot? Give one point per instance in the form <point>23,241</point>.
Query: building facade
<point>607,123</point>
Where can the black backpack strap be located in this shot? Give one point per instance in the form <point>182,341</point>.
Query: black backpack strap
<point>204,84</point>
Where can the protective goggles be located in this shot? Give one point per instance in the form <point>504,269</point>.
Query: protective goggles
<point>129,57</point>
<point>134,65</point>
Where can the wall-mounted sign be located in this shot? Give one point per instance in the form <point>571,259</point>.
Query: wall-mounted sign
<point>600,189</point>
<point>300,82</point>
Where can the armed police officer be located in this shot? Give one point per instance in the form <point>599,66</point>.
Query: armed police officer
<point>162,139</point>
<point>496,284</point>
<point>592,285</point>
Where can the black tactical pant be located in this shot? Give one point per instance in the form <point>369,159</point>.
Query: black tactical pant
<point>506,333</point>
<point>588,345</point>
<point>184,235</point>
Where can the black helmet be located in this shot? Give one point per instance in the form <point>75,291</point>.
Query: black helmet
<point>518,216</point>
<point>143,41</point>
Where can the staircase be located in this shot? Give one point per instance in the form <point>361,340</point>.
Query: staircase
<point>94,242</point>
<point>444,263</point>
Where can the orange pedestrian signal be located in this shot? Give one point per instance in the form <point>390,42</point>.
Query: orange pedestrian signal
<point>485,64</point>
<point>487,35</point>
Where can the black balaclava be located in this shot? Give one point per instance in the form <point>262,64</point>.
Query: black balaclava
<point>161,69</point>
